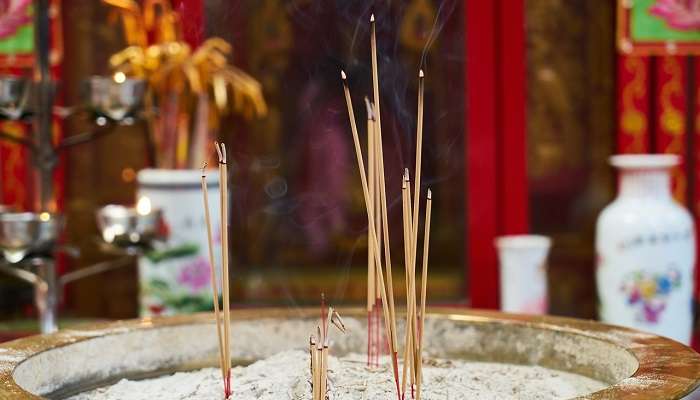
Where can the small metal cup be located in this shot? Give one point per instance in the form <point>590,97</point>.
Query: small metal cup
<point>15,92</point>
<point>125,226</point>
<point>114,100</point>
<point>25,233</point>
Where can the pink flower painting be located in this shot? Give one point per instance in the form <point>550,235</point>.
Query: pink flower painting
<point>679,14</point>
<point>13,15</point>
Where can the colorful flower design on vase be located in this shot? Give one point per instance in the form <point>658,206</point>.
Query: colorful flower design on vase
<point>648,293</point>
<point>195,275</point>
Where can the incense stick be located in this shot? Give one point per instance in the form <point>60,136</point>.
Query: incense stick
<point>370,247</point>
<point>312,364</point>
<point>319,365</point>
<point>371,274</point>
<point>324,370</point>
<point>419,153</point>
<point>424,289</point>
<point>379,341</point>
<point>387,251</point>
<point>382,183</point>
<point>407,255</point>
<point>223,174</point>
<point>373,232</point>
<point>214,288</point>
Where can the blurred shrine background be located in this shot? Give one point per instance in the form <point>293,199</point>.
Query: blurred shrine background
<point>526,100</point>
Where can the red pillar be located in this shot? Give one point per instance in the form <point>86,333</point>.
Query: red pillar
<point>496,176</point>
<point>192,14</point>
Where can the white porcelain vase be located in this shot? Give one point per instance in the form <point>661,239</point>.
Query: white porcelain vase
<point>645,250</point>
<point>175,278</point>
<point>522,262</point>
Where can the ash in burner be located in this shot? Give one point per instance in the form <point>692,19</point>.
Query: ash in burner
<point>286,376</point>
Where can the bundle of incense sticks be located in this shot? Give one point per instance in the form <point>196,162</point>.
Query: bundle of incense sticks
<point>319,349</point>
<point>413,347</point>
<point>373,296</point>
<point>223,332</point>
<point>374,191</point>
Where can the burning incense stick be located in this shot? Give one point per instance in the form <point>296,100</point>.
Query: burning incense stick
<point>407,255</point>
<point>370,248</point>
<point>372,230</point>
<point>417,175</point>
<point>214,288</point>
<point>223,174</point>
<point>424,289</point>
<point>371,274</point>
<point>379,342</point>
<point>382,183</point>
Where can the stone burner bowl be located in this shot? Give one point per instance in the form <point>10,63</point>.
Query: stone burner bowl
<point>636,365</point>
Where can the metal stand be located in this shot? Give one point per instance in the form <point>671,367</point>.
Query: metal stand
<point>46,295</point>
<point>106,97</point>
<point>44,86</point>
<point>48,286</point>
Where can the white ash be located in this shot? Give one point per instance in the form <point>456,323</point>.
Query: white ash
<point>285,375</point>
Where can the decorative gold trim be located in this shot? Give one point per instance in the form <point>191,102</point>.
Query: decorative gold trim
<point>633,122</point>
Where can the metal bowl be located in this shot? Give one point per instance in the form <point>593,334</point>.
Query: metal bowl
<point>122,225</point>
<point>28,233</point>
<point>635,364</point>
<point>112,99</point>
<point>15,92</point>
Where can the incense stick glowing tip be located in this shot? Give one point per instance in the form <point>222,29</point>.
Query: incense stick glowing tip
<point>421,74</point>
<point>342,75</point>
<point>430,194</point>
<point>371,18</point>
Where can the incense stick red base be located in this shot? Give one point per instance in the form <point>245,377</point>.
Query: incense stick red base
<point>395,362</point>
<point>227,385</point>
<point>376,342</point>
<point>369,336</point>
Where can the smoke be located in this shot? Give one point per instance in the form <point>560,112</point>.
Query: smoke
<point>300,206</point>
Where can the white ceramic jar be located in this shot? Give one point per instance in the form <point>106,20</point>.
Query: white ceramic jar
<point>645,248</point>
<point>522,262</point>
<point>176,278</point>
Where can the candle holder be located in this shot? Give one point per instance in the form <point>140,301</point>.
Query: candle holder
<point>115,98</point>
<point>26,234</point>
<point>15,94</point>
<point>28,244</point>
<point>128,227</point>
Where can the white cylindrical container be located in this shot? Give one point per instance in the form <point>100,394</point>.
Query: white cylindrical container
<point>523,273</point>
<point>645,251</point>
<point>175,277</point>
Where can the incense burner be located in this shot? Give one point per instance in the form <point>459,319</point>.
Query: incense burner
<point>634,364</point>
